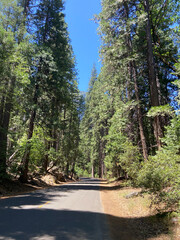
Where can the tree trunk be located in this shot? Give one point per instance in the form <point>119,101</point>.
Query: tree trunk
<point>72,170</point>
<point>4,126</point>
<point>67,169</point>
<point>25,160</point>
<point>101,155</point>
<point>46,157</point>
<point>102,168</point>
<point>154,96</point>
<point>133,74</point>
<point>139,113</point>
<point>92,170</point>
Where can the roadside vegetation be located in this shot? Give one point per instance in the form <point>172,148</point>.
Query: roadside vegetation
<point>132,216</point>
<point>131,125</point>
<point>40,104</point>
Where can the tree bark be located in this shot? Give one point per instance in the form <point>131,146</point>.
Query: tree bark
<point>4,126</point>
<point>92,170</point>
<point>25,161</point>
<point>101,154</point>
<point>133,75</point>
<point>139,113</point>
<point>67,169</point>
<point>154,96</point>
<point>46,157</point>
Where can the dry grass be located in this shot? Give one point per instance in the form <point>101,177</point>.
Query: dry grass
<point>133,219</point>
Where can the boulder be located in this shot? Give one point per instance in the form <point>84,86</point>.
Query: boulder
<point>60,177</point>
<point>131,195</point>
<point>49,179</point>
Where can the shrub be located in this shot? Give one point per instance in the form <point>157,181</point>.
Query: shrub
<point>161,173</point>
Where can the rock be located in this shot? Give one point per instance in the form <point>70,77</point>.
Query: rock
<point>174,220</point>
<point>49,179</point>
<point>131,195</point>
<point>34,182</point>
<point>60,177</point>
<point>54,170</point>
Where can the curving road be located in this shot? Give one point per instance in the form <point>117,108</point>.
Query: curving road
<point>68,212</point>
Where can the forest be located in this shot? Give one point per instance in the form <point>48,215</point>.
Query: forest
<point>126,126</point>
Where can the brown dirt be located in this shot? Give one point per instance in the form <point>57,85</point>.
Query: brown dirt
<point>133,219</point>
<point>11,188</point>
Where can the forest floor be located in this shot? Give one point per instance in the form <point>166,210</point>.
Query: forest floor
<point>11,188</point>
<point>133,218</point>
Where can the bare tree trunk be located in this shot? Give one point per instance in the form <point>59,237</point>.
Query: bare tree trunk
<point>92,170</point>
<point>4,126</point>
<point>9,161</point>
<point>139,113</point>
<point>133,74</point>
<point>72,169</point>
<point>129,98</point>
<point>3,99</point>
<point>67,169</point>
<point>102,168</point>
<point>101,154</point>
<point>154,96</point>
<point>46,157</point>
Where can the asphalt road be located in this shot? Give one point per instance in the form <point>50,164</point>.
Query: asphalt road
<point>68,212</point>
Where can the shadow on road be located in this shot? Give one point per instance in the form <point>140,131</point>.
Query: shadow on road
<point>42,196</point>
<point>32,224</point>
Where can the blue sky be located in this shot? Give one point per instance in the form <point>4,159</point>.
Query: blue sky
<point>83,35</point>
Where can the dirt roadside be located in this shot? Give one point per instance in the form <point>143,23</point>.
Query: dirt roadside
<point>132,218</point>
<point>11,188</point>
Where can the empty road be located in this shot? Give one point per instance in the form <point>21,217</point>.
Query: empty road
<point>68,212</point>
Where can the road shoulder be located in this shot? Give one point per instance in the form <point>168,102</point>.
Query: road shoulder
<point>132,218</point>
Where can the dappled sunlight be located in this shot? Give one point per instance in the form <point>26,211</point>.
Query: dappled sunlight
<point>39,215</point>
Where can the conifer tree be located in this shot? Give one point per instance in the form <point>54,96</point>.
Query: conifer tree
<point>133,79</point>
<point>13,68</point>
<point>53,77</point>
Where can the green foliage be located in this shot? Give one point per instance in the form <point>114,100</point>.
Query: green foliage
<point>37,151</point>
<point>117,127</point>
<point>160,111</point>
<point>39,100</point>
<point>161,173</point>
<point>120,152</point>
<point>94,125</point>
<point>81,172</point>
